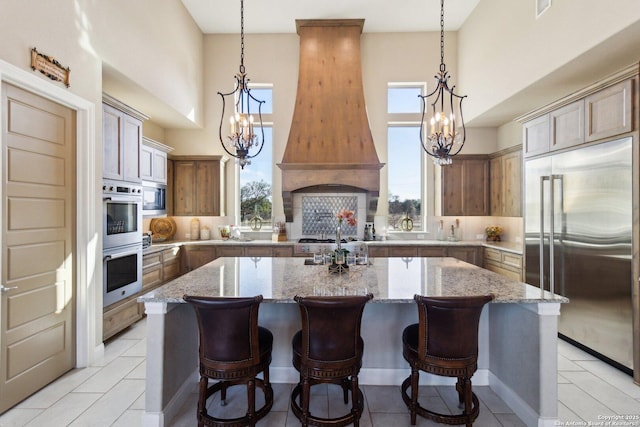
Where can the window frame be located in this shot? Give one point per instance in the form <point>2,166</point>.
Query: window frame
<point>267,122</point>
<point>427,177</point>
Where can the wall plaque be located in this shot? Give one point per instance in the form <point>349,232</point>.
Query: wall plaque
<point>48,66</point>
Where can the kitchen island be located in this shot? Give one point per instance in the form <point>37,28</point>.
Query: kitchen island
<point>518,330</point>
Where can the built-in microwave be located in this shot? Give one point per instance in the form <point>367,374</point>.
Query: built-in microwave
<point>154,199</point>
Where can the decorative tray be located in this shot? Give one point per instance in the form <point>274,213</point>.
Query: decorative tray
<point>162,229</point>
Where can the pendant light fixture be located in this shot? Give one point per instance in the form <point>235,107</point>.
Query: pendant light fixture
<point>246,135</point>
<point>444,129</point>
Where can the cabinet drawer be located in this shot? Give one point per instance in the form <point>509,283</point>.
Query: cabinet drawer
<point>230,251</point>
<point>378,251</point>
<point>151,259</point>
<point>117,319</point>
<point>402,251</point>
<point>258,251</point>
<point>283,252</point>
<point>512,260</point>
<point>497,268</point>
<point>432,251</point>
<point>492,254</point>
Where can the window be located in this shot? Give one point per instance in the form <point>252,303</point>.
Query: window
<point>404,156</point>
<point>256,195</point>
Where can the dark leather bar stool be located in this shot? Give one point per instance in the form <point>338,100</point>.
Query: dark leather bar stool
<point>444,342</point>
<point>329,349</point>
<point>233,350</point>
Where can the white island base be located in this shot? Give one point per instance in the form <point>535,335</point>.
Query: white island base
<point>517,339</point>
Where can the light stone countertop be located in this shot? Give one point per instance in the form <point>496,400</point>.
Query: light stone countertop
<point>390,280</point>
<point>505,246</point>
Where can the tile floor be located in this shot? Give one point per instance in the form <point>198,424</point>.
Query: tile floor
<point>111,393</point>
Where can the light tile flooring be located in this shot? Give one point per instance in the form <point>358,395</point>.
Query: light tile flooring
<point>111,393</point>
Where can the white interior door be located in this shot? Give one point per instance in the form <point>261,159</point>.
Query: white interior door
<point>37,330</point>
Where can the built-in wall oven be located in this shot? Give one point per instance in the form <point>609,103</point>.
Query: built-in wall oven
<point>121,240</point>
<point>122,272</point>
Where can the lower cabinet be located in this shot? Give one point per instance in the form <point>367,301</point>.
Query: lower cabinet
<point>197,256</point>
<point>470,254</point>
<point>502,262</point>
<point>120,315</point>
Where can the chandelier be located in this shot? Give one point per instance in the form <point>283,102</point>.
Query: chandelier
<point>246,135</point>
<point>446,133</point>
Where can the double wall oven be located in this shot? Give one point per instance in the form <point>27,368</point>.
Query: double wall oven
<point>122,240</point>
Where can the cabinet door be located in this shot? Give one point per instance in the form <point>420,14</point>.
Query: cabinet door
<point>467,254</point>
<point>465,187</point>
<point>609,111</point>
<point>535,136</point>
<point>496,186</point>
<point>512,184</point>
<point>111,143</point>
<point>208,187</point>
<point>159,166</point>
<point>566,126</point>
<point>170,187</point>
<point>184,183</point>
<point>197,256</point>
<point>131,145</point>
<point>146,163</point>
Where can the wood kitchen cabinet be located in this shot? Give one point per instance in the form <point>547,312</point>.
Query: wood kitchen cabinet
<point>535,136</point>
<point>464,187</point>
<point>198,186</point>
<point>506,182</point>
<point>195,256</point>
<point>508,264</point>
<point>121,141</point>
<point>470,254</point>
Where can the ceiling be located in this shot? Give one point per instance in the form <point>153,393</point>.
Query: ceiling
<point>278,16</point>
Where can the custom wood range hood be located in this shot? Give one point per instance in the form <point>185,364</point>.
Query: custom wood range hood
<point>330,147</point>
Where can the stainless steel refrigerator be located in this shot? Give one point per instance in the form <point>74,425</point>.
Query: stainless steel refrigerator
<point>578,240</point>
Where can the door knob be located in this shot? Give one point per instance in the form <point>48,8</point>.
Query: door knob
<point>5,289</point>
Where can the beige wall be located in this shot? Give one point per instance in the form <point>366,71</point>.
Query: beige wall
<point>273,58</point>
<point>505,52</point>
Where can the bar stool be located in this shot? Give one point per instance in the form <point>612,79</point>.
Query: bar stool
<point>329,349</point>
<point>444,342</point>
<point>233,350</point>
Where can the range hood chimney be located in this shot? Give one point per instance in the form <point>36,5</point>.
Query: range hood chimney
<point>330,147</point>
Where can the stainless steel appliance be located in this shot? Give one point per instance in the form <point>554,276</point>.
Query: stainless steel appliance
<point>578,243</point>
<point>122,213</point>
<point>122,272</point>
<point>121,240</point>
<point>154,199</point>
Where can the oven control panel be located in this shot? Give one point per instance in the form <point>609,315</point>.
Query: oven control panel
<point>123,188</point>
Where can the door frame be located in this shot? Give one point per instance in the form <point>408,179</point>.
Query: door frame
<point>88,266</point>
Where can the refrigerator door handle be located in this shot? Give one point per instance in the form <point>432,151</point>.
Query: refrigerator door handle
<point>552,227</point>
<point>542,180</point>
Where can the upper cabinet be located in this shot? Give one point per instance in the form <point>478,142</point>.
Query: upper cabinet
<point>464,187</point>
<point>153,161</point>
<point>198,185</point>
<point>609,111</point>
<point>121,141</point>
<point>506,183</point>
<point>602,110</point>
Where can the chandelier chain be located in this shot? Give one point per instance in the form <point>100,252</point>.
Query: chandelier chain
<point>242,36</point>
<point>442,67</point>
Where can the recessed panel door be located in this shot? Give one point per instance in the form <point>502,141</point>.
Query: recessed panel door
<point>37,340</point>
